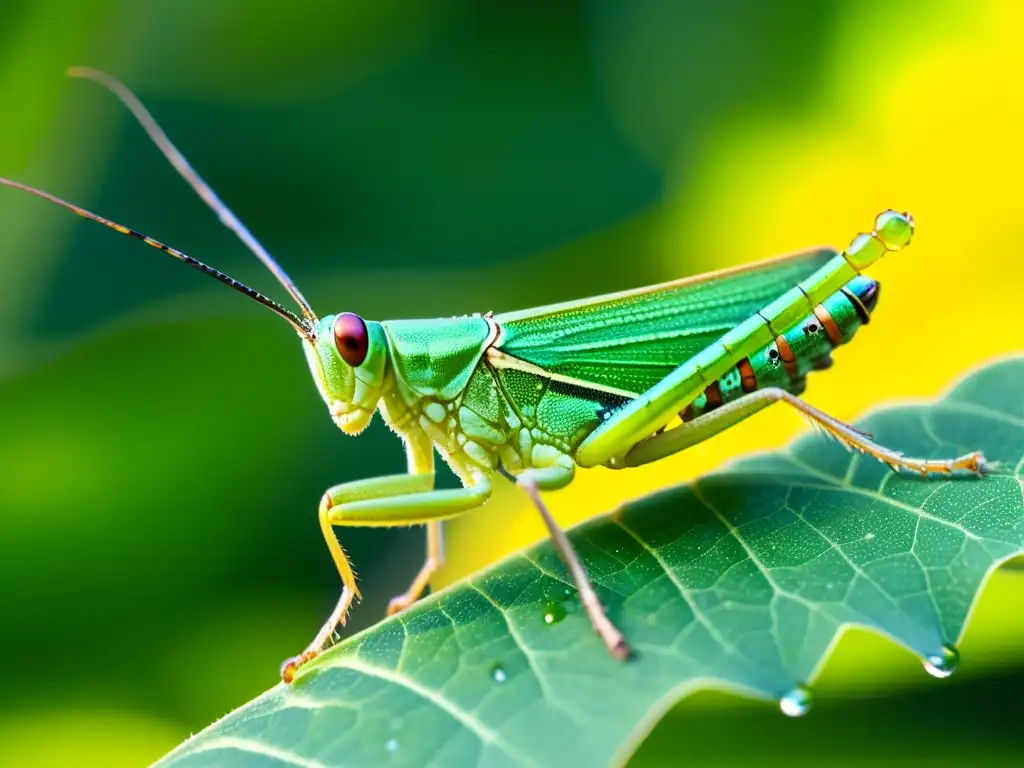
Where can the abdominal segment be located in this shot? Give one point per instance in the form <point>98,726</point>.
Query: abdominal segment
<point>807,346</point>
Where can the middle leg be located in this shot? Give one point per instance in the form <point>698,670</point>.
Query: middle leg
<point>551,478</point>
<point>435,559</point>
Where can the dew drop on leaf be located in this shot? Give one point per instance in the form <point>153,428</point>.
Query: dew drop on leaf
<point>942,664</point>
<point>553,613</point>
<point>498,673</point>
<point>797,702</point>
<point>391,745</point>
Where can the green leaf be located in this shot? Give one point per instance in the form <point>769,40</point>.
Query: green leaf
<point>741,580</point>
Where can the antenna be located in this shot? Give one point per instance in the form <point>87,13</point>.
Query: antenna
<point>187,172</point>
<point>302,325</point>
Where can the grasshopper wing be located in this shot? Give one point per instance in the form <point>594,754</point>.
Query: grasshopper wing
<point>626,342</point>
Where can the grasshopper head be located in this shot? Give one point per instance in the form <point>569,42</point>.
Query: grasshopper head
<point>347,356</point>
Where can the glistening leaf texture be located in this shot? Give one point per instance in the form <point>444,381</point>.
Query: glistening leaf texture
<point>741,580</point>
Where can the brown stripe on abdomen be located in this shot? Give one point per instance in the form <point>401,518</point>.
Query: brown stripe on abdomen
<point>713,395</point>
<point>787,357</point>
<point>825,318</point>
<point>748,379</point>
<point>708,400</point>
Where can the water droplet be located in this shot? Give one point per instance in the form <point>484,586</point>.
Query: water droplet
<point>498,673</point>
<point>553,613</point>
<point>797,702</point>
<point>942,664</point>
<point>391,745</point>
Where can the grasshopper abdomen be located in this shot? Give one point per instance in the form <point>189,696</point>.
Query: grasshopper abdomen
<point>786,361</point>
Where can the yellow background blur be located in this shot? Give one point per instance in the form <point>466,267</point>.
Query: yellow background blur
<point>159,552</point>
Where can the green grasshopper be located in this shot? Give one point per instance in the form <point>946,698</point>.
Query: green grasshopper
<point>618,381</point>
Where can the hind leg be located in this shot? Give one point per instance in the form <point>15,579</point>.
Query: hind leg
<point>690,433</point>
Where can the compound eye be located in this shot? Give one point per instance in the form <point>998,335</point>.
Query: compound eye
<point>351,338</point>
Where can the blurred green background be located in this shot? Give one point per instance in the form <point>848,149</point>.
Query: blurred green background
<point>162,448</point>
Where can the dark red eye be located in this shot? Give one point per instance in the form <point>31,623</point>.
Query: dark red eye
<point>351,338</point>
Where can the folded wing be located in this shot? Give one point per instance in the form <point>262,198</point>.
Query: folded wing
<point>627,342</point>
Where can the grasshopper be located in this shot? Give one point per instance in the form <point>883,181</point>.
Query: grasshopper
<point>618,380</point>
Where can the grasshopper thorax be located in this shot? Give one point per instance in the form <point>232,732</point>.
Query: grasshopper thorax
<point>348,357</point>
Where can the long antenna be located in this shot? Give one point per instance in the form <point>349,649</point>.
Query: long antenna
<point>302,325</point>
<point>187,172</point>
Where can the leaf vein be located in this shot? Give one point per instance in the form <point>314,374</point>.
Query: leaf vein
<point>470,721</point>
<point>528,654</point>
<point>254,747</point>
<point>685,594</point>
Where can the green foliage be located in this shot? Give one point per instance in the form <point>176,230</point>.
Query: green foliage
<point>741,580</point>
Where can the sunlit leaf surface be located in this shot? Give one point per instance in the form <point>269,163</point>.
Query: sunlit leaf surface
<point>742,580</point>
